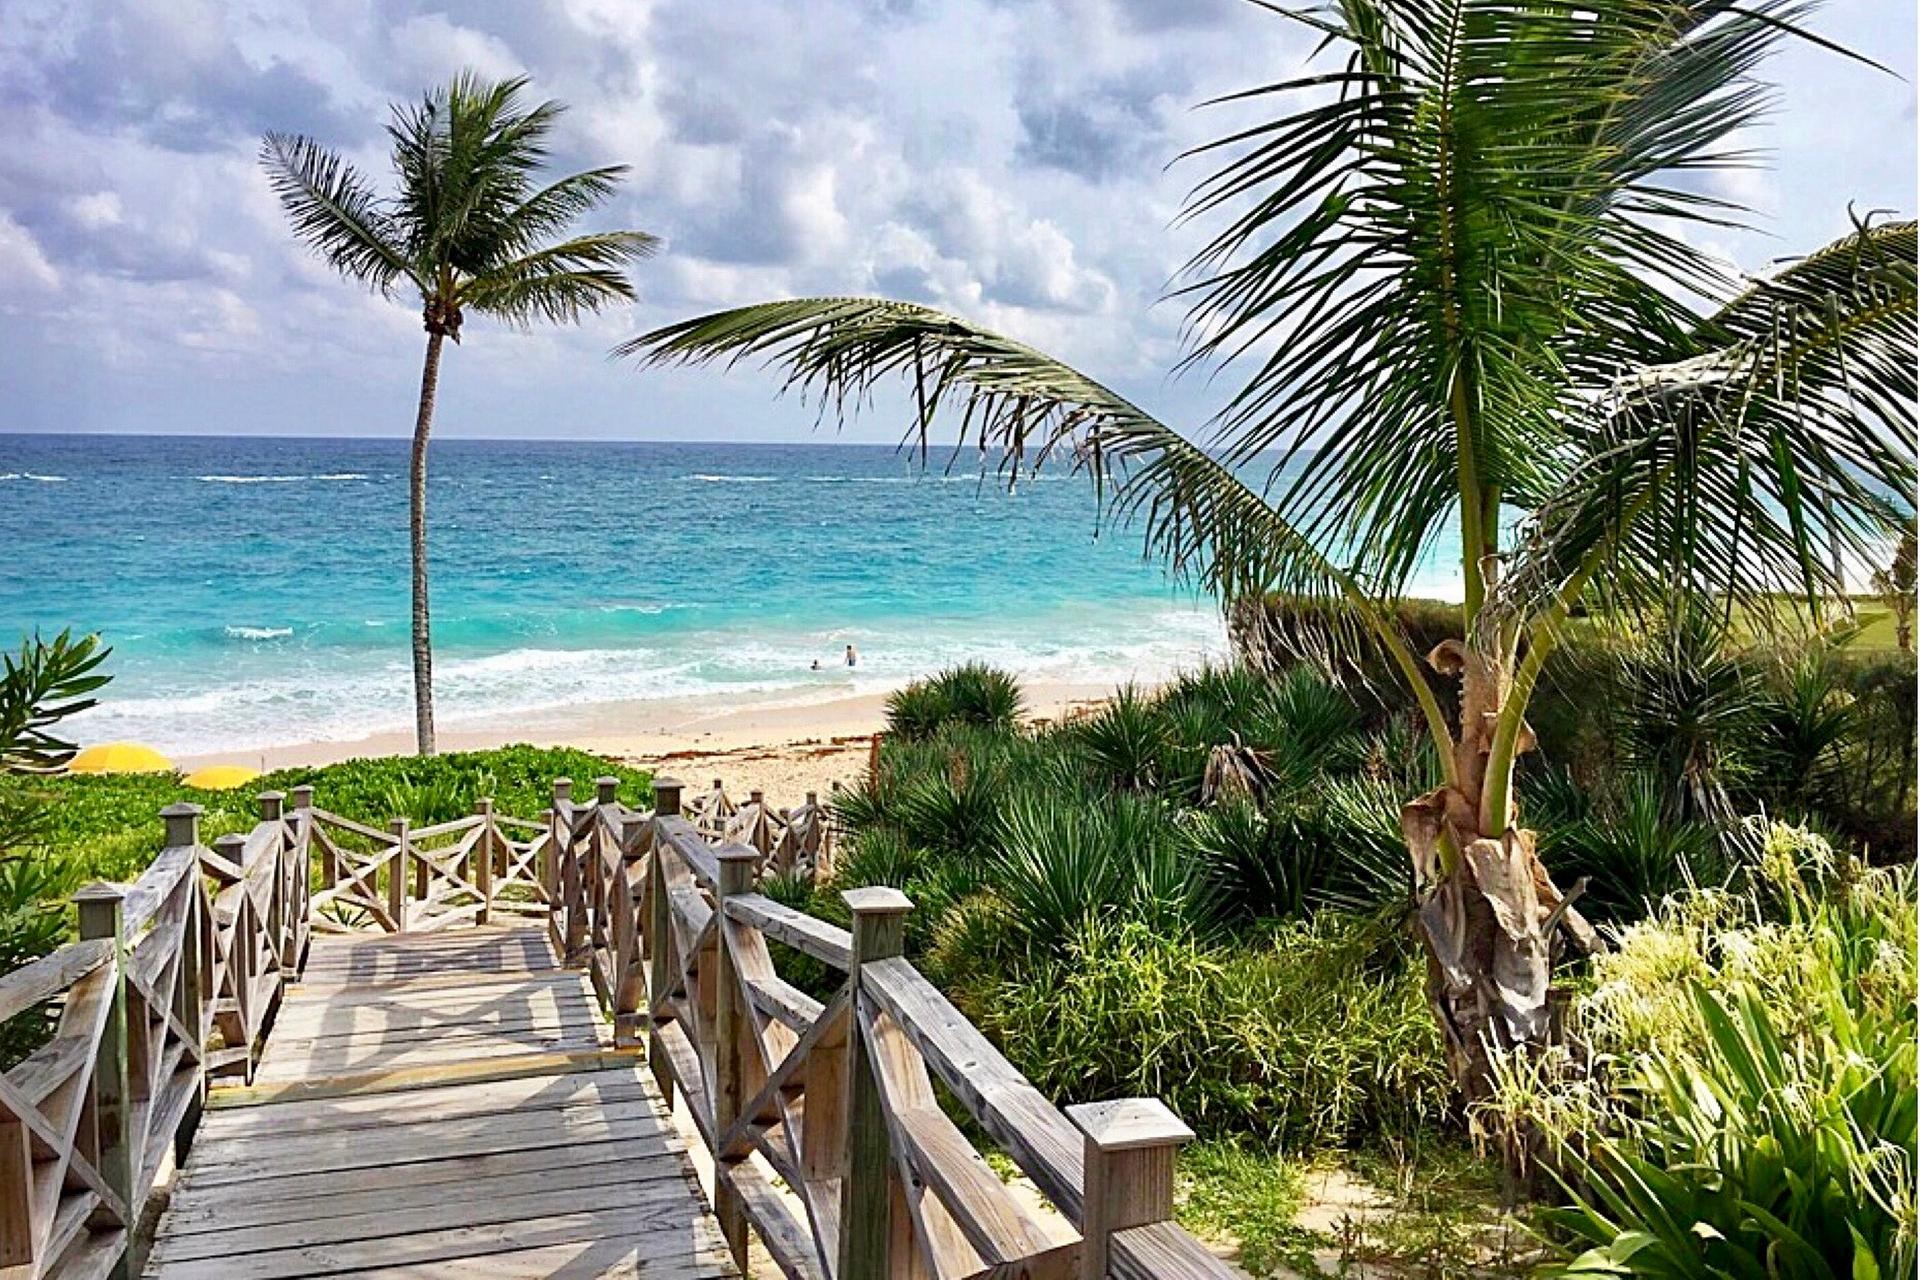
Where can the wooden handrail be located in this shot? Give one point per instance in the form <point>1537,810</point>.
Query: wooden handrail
<point>824,1117</point>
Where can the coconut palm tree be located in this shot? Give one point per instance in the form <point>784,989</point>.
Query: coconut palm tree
<point>1453,263</point>
<point>471,226</point>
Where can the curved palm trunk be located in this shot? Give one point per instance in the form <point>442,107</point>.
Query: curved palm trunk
<point>1488,909</point>
<point>422,624</point>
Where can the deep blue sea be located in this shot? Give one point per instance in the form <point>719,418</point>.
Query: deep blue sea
<point>255,591</point>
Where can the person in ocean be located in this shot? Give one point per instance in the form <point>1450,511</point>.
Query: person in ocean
<point>853,659</point>
<point>815,666</point>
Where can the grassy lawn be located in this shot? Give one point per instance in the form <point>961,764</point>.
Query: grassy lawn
<point>107,827</point>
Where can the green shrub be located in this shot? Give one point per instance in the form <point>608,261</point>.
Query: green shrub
<point>915,710</point>
<point>1632,853</point>
<point>1125,744</point>
<point>1746,1105</point>
<point>1060,865</point>
<point>970,694</point>
<point>1756,1155</point>
<point>1317,1034</point>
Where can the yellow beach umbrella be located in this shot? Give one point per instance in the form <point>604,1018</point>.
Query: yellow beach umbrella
<point>221,777</point>
<point>119,757</point>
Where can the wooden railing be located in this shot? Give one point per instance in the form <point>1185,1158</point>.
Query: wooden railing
<point>825,1118</point>
<point>410,879</point>
<point>173,980</point>
<point>828,1120</point>
<point>791,842</point>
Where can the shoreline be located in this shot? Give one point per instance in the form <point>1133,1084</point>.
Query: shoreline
<point>784,746</point>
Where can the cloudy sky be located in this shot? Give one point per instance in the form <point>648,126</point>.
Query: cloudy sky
<point>1003,158</point>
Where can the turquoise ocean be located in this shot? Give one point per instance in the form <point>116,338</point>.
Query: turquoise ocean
<point>255,590</point>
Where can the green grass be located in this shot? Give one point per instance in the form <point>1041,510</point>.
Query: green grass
<point>107,827</point>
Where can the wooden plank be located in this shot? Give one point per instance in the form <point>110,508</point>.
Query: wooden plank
<point>527,1093</point>
<point>993,1223</point>
<point>51,974</point>
<point>786,1239</point>
<point>356,1151</point>
<point>351,1059</point>
<point>359,1146</point>
<point>1042,1141</point>
<point>667,1230</point>
<point>386,1080</point>
<point>301,1194</point>
<point>577,1260</point>
<point>491,1204</point>
<point>784,1002</point>
<point>797,929</point>
<point>1161,1249</point>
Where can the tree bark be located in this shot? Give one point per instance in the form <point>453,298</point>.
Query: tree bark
<point>422,622</point>
<point>1488,908</point>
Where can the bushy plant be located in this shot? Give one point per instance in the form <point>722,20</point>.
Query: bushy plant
<point>1754,1154</point>
<point>1060,865</point>
<point>1746,1103</point>
<point>1317,1034</point>
<point>1125,743</point>
<point>1632,853</point>
<point>970,694</point>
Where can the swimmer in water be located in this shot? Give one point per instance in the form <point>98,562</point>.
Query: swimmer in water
<point>853,659</point>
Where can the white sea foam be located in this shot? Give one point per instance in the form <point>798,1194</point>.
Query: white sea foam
<point>705,478</point>
<point>257,633</point>
<point>330,695</point>
<point>282,479</point>
<point>28,475</point>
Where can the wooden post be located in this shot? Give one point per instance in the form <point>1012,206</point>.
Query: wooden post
<point>606,790</point>
<point>1130,1149</point>
<point>733,1046</point>
<point>189,993</point>
<point>559,823</point>
<point>16,1196</point>
<point>482,861</point>
<point>629,951</point>
<point>240,958</point>
<point>280,904</point>
<point>102,916</point>
<point>879,933</point>
<point>397,875</point>
<point>666,804</point>
<point>183,824</point>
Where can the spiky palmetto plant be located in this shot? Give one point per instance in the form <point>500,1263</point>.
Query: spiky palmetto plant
<point>1453,265</point>
<point>471,226</point>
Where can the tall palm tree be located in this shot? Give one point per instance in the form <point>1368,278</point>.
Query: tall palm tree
<point>471,227</point>
<point>1453,265</point>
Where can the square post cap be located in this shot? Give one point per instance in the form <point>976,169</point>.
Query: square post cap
<point>608,789</point>
<point>877,900</point>
<point>1130,1124</point>
<point>183,823</point>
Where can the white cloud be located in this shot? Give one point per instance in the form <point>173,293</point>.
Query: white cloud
<point>22,265</point>
<point>1001,160</point>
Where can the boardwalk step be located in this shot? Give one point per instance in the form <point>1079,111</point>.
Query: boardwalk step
<point>438,1106</point>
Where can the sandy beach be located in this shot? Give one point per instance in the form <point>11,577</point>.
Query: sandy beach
<point>783,746</point>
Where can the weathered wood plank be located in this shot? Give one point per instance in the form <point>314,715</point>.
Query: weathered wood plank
<point>824,942</point>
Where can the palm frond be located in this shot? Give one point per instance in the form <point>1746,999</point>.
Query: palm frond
<point>561,282</point>
<point>1019,409</point>
<point>333,210</point>
<point>1774,457</point>
<point>46,682</point>
<point>1465,220</point>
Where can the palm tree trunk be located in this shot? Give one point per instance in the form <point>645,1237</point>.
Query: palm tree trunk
<point>422,624</point>
<point>1489,910</point>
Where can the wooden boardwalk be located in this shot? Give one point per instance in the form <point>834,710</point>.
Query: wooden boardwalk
<point>439,1104</point>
